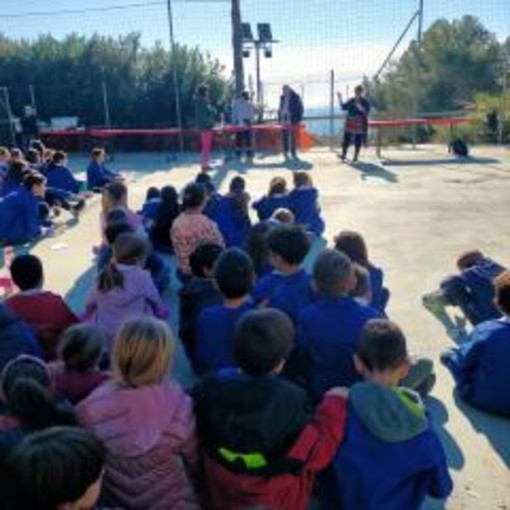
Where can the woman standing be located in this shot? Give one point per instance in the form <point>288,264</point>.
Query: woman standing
<point>356,124</point>
<point>205,116</point>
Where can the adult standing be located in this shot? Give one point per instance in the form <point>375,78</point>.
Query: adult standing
<point>290,115</point>
<point>356,124</point>
<point>243,115</point>
<point>205,118</point>
<point>29,127</point>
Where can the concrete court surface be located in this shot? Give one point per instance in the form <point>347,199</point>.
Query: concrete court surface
<point>417,213</point>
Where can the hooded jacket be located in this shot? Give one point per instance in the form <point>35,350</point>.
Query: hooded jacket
<point>391,458</point>
<point>19,216</point>
<point>263,446</point>
<point>149,435</point>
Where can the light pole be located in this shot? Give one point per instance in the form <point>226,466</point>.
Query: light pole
<point>264,42</point>
<point>175,77</point>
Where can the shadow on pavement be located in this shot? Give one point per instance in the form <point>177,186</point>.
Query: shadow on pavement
<point>372,170</point>
<point>496,429</point>
<point>440,416</point>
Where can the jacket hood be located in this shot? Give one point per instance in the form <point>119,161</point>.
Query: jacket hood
<point>132,421</point>
<point>391,415</point>
<point>250,414</point>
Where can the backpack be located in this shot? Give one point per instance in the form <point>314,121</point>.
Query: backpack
<point>459,148</point>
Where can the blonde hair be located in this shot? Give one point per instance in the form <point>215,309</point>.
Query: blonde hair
<point>143,352</point>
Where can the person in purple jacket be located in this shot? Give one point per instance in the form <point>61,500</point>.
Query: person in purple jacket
<point>276,198</point>
<point>391,457</point>
<point>304,203</point>
<point>234,275</point>
<point>471,290</point>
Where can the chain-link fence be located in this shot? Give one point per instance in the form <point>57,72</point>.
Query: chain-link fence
<point>320,47</point>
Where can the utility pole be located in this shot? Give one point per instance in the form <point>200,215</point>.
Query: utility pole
<point>106,106</point>
<point>237,46</point>
<point>175,77</point>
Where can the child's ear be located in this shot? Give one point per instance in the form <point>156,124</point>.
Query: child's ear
<point>403,369</point>
<point>359,365</point>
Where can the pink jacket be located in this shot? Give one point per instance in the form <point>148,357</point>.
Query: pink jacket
<point>151,444</point>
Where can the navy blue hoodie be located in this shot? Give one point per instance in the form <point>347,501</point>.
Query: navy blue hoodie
<point>480,367</point>
<point>391,458</point>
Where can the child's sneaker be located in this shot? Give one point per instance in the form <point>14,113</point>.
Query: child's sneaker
<point>435,303</point>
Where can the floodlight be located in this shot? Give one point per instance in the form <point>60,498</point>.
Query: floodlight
<point>246,53</point>
<point>265,34</point>
<point>246,32</point>
<point>268,52</point>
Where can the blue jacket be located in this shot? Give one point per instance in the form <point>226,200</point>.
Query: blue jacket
<point>60,177</point>
<point>294,293</point>
<point>304,203</point>
<point>379,300</point>
<point>329,331</point>
<point>15,338</point>
<point>391,457</point>
<point>234,225</point>
<point>268,204</point>
<point>19,216</point>
<point>150,209</point>
<point>215,334</point>
<point>98,175</point>
<point>480,367</point>
<point>266,286</point>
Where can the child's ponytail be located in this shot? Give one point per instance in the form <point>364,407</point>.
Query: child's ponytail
<point>109,278</point>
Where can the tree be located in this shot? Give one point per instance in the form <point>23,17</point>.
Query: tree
<point>67,76</point>
<point>458,60</point>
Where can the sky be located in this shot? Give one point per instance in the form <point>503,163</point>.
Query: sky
<point>351,38</point>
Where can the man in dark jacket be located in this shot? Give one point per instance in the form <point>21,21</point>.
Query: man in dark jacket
<point>290,115</point>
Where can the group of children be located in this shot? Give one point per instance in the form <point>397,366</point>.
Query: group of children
<point>35,186</point>
<point>305,390</point>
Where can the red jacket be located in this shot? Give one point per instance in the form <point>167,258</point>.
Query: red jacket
<point>46,313</point>
<point>316,447</point>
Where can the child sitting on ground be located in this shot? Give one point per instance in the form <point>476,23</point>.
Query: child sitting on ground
<point>115,197</point>
<point>28,402</point>
<point>168,210</point>
<point>192,228</point>
<point>199,293</point>
<point>283,216</point>
<point>258,248</point>
<point>329,330</point>
<point>20,220</point>
<point>59,176</point>
<point>16,338</point>
<point>150,208</point>
<point>480,364</point>
<point>362,291</point>
<point>146,423</point>
<point>391,457</point>
<point>37,473</point>
<point>288,247</point>
<point>97,173</point>
<point>115,226</point>
<point>45,312</point>
<point>472,290</point>
<point>353,245</point>
<point>263,445</point>
<point>304,203</point>
<point>123,290</point>
<point>232,214</point>
<point>277,198</point>
<point>79,351</point>
<point>234,276</point>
